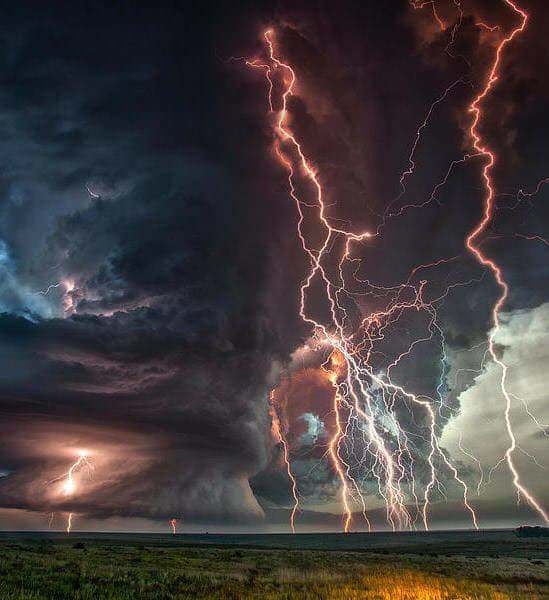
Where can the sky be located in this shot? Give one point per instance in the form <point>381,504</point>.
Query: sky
<point>153,317</point>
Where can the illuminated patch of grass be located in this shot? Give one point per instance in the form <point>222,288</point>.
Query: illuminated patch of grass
<point>95,570</point>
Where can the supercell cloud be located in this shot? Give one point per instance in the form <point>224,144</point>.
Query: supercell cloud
<point>150,269</point>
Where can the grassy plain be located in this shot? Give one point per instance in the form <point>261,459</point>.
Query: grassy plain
<point>157,567</point>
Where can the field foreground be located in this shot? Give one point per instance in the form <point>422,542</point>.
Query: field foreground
<point>159,567</point>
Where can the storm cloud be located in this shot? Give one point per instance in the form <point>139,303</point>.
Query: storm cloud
<point>149,267</point>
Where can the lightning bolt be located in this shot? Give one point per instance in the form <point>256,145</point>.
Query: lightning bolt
<point>472,243</point>
<point>367,399</point>
<point>50,287</point>
<point>173,525</point>
<point>92,194</point>
<point>68,285</point>
<point>69,523</point>
<point>363,400</point>
<point>281,439</point>
<point>418,4</point>
<point>69,484</point>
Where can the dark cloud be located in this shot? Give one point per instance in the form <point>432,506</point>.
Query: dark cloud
<point>120,210</point>
<point>148,263</point>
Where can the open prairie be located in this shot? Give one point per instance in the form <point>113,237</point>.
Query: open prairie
<point>435,566</point>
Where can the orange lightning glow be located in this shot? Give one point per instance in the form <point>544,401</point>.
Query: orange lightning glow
<point>360,394</point>
<point>333,370</point>
<point>280,438</point>
<point>482,148</point>
<point>69,523</point>
<point>173,525</point>
<point>418,4</point>
<point>69,485</point>
<point>369,444</point>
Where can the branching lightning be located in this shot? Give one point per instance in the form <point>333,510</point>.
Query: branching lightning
<point>68,286</point>
<point>482,148</point>
<point>69,483</point>
<point>370,443</point>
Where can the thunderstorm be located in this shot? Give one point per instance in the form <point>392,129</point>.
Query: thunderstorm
<point>274,302</point>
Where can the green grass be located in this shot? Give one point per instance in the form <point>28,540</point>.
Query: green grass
<point>94,569</point>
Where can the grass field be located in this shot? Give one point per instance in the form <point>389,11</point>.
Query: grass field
<point>156,567</point>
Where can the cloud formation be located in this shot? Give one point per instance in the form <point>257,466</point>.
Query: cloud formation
<point>149,269</point>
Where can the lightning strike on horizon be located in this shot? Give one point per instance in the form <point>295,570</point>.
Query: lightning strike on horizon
<point>69,485</point>
<point>69,523</point>
<point>483,149</point>
<point>173,525</point>
<point>281,439</point>
<point>363,400</point>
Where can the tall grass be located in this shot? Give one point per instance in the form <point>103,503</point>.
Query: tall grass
<point>61,571</point>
